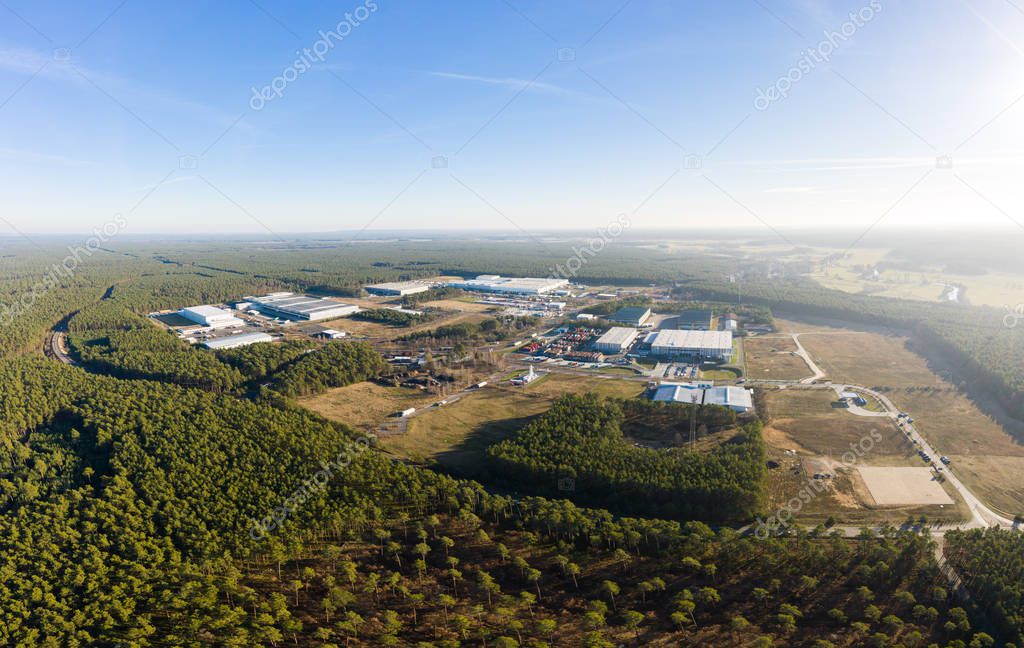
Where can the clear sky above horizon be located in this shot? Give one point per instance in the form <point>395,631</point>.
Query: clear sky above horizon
<point>517,113</point>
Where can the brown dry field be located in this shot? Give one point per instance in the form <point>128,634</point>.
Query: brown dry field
<point>770,358</point>
<point>950,421</point>
<point>456,435</point>
<point>364,405</point>
<point>804,420</point>
<point>994,479</point>
<point>845,498</point>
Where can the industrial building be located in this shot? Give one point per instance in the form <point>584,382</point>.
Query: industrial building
<point>398,288</point>
<point>510,285</point>
<point>616,340</point>
<point>853,396</point>
<point>694,320</point>
<point>300,307</point>
<point>330,334</point>
<point>698,345</point>
<point>631,315</point>
<point>210,316</point>
<point>737,399</point>
<point>728,322</point>
<point>234,341</point>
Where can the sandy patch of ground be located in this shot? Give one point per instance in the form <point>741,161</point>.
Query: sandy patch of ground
<point>902,486</point>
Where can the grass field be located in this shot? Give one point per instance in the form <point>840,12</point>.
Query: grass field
<point>771,358</point>
<point>947,418</point>
<point>456,435</point>
<point>364,405</point>
<point>375,330</point>
<point>806,421</point>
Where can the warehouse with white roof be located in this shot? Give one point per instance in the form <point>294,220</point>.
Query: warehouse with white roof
<point>300,307</point>
<point>616,340</point>
<point>737,399</point>
<point>702,345</point>
<point>235,341</point>
<point>398,288</point>
<point>210,316</point>
<point>510,285</point>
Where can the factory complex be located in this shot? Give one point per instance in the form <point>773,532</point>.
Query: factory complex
<point>511,285</point>
<point>286,305</point>
<point>737,399</point>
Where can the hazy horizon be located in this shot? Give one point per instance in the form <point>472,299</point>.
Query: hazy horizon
<point>265,118</point>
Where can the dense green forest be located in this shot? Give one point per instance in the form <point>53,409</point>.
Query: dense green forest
<point>162,495</point>
<point>577,450</point>
<point>139,513</point>
<point>391,317</point>
<point>991,563</point>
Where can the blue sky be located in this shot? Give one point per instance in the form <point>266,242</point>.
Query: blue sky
<point>549,115</point>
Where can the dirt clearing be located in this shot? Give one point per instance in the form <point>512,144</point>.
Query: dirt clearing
<point>901,486</point>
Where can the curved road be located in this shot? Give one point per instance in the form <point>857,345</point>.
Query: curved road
<point>981,515</point>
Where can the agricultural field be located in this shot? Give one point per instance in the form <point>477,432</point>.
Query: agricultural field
<point>772,358</point>
<point>997,289</point>
<point>456,435</point>
<point>985,456</point>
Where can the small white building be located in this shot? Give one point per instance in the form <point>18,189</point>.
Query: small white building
<point>330,334</point>
<point>586,316</point>
<point>210,316</point>
<point>526,378</point>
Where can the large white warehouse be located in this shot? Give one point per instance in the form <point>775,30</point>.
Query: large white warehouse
<point>210,316</point>
<point>398,288</point>
<point>233,341</point>
<point>510,285</point>
<point>702,345</point>
<point>300,307</point>
<point>616,340</point>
